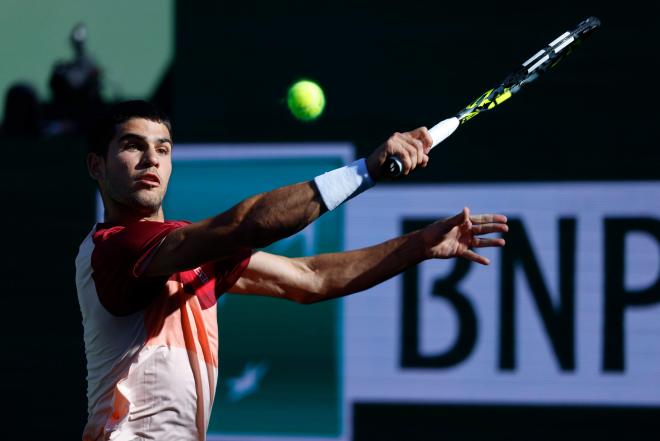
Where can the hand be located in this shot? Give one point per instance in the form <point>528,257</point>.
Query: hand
<point>411,147</point>
<point>453,237</point>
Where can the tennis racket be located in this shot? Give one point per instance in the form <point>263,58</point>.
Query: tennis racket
<point>530,70</point>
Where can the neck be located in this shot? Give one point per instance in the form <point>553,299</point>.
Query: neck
<point>120,214</point>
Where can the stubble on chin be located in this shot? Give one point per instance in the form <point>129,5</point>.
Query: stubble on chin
<point>146,203</point>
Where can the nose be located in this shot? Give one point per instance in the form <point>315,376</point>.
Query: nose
<point>150,157</point>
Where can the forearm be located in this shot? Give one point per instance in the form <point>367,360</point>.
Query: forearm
<point>327,276</point>
<point>268,217</point>
<point>339,274</point>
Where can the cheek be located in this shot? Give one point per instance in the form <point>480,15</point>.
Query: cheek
<point>166,173</point>
<point>119,172</point>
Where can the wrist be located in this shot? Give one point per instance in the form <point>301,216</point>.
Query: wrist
<point>374,167</point>
<point>410,248</point>
<point>339,185</point>
<point>418,242</point>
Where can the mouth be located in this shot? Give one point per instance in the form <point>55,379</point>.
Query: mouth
<point>149,179</point>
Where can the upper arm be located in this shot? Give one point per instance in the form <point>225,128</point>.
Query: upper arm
<point>191,246</point>
<point>117,261</point>
<point>278,276</point>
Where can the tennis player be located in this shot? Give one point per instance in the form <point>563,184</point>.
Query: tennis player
<point>148,287</point>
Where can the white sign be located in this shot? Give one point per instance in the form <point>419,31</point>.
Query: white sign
<point>568,313</point>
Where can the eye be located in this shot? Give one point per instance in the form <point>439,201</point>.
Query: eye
<point>163,150</point>
<point>130,146</point>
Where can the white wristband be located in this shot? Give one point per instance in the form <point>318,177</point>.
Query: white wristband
<point>342,184</point>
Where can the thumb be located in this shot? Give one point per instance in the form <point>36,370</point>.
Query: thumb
<point>459,219</point>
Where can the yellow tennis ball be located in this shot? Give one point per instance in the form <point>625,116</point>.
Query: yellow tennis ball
<point>306,100</point>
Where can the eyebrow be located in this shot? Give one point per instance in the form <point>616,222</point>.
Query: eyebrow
<point>126,136</point>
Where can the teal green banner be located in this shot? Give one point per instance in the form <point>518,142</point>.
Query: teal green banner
<point>279,361</point>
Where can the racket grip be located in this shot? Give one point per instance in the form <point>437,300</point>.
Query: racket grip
<point>393,166</point>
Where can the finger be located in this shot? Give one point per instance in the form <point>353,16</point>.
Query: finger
<point>488,218</point>
<point>471,255</point>
<point>417,144</point>
<point>394,148</point>
<point>425,161</point>
<point>412,151</point>
<point>404,155</point>
<point>391,146</point>
<point>458,219</point>
<point>423,134</point>
<point>412,139</point>
<point>489,228</point>
<point>421,154</point>
<point>479,242</point>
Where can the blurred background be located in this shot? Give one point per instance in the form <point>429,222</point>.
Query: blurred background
<point>573,159</point>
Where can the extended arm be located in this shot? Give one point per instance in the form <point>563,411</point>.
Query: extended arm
<point>253,223</point>
<point>326,276</point>
<point>265,218</point>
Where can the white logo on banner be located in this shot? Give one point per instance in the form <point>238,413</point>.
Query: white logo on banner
<point>569,312</point>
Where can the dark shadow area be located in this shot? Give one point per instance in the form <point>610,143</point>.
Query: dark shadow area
<point>412,422</point>
<point>389,67</point>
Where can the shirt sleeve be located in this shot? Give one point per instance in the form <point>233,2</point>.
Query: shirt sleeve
<point>229,270</point>
<point>120,256</point>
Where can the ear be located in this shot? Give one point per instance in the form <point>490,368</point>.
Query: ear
<point>95,166</point>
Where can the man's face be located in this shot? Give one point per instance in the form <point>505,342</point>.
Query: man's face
<point>138,166</point>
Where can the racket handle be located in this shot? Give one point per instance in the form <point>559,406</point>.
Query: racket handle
<point>393,166</point>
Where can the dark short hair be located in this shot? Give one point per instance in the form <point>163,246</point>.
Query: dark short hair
<point>103,129</point>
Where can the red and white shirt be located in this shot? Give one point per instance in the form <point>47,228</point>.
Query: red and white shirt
<point>151,342</point>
